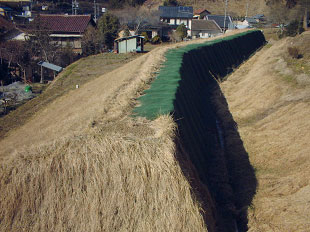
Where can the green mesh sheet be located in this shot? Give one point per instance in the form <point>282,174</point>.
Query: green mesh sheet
<point>159,98</point>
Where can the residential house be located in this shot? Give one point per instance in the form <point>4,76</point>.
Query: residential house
<point>205,28</point>
<point>151,29</point>
<point>129,44</point>
<point>259,17</point>
<point>176,15</point>
<point>201,13</point>
<point>23,17</point>
<point>66,29</point>
<point>225,22</point>
<point>250,22</point>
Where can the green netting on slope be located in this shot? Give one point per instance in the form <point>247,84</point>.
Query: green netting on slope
<point>159,99</point>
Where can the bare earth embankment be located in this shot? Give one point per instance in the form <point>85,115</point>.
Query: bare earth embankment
<point>83,164</point>
<point>269,98</point>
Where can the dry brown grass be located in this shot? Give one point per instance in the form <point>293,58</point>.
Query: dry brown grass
<point>235,7</point>
<point>272,113</point>
<point>82,164</point>
<point>78,73</point>
<point>108,181</point>
<point>106,98</point>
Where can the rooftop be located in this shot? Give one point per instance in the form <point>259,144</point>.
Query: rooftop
<point>200,11</point>
<point>250,20</point>
<point>219,19</point>
<point>65,23</point>
<point>176,11</point>
<point>198,25</point>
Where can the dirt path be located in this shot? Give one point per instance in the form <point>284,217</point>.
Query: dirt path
<point>272,113</point>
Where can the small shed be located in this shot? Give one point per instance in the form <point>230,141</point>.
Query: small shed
<point>53,67</point>
<point>129,44</point>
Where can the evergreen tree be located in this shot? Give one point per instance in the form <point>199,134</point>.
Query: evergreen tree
<point>108,26</point>
<point>181,31</point>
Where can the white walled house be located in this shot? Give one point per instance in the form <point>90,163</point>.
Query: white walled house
<point>176,15</point>
<point>205,28</point>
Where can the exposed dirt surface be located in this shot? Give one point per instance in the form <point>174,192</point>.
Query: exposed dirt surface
<point>269,100</point>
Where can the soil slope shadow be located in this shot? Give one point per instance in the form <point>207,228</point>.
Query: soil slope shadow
<point>209,138</point>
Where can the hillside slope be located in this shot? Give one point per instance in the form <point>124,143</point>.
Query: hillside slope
<point>235,7</point>
<point>269,100</point>
<point>83,164</point>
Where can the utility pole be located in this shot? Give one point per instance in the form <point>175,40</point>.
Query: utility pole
<point>226,3</point>
<point>75,6</point>
<point>95,11</point>
<point>247,8</point>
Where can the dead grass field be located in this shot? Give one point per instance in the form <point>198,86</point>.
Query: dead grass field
<point>235,7</point>
<point>80,163</point>
<point>78,73</point>
<point>121,177</point>
<point>269,100</point>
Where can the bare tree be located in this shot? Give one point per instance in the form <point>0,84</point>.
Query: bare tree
<point>17,53</point>
<point>284,11</point>
<point>41,41</point>
<point>137,18</point>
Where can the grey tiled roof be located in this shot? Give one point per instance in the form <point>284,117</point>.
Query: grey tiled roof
<point>258,16</point>
<point>176,11</point>
<point>205,25</point>
<point>219,19</point>
<point>251,20</point>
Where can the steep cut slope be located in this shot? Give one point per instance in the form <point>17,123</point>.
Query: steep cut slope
<point>270,103</point>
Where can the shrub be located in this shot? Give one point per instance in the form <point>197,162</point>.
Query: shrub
<point>294,52</point>
<point>146,38</point>
<point>294,28</point>
<point>156,39</point>
<point>181,31</point>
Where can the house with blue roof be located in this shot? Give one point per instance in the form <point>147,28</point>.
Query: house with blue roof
<point>176,15</point>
